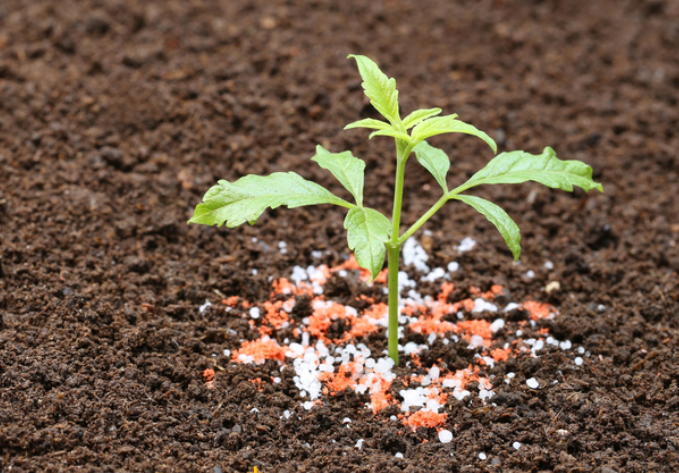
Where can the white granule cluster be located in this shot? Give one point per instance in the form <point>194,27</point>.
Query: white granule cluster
<point>481,305</point>
<point>466,245</point>
<point>497,325</point>
<point>436,273</point>
<point>414,254</point>
<point>312,274</point>
<point>204,307</point>
<point>420,397</point>
<point>511,306</point>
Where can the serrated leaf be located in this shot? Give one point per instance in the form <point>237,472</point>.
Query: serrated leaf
<point>369,123</point>
<point>347,168</point>
<point>498,217</point>
<point>367,233</point>
<point>435,161</point>
<point>391,132</point>
<point>419,116</point>
<point>449,124</point>
<point>518,166</point>
<point>247,198</point>
<point>380,89</point>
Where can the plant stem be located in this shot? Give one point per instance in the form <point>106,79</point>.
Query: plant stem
<point>415,226</point>
<point>394,250</point>
<point>393,253</point>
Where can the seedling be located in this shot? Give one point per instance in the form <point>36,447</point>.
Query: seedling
<point>371,235</point>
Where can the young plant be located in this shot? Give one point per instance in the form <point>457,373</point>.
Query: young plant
<point>371,234</point>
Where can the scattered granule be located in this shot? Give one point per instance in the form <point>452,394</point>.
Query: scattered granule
<point>500,354</point>
<point>360,327</point>
<point>379,393</point>
<point>323,316</point>
<point>259,351</point>
<point>445,436</point>
<point>494,291</point>
<point>343,379</point>
<point>275,316</point>
<point>284,287</point>
<point>208,375</point>
<point>446,289</point>
<point>258,382</point>
<point>350,264</point>
<point>230,301</point>
<point>538,310</point>
<point>425,419</point>
<point>428,324</point>
<point>480,328</point>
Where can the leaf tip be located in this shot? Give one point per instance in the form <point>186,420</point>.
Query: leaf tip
<point>517,254</point>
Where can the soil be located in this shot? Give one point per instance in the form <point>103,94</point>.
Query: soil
<point>116,116</point>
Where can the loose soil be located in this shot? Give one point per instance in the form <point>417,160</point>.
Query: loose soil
<point>116,116</point>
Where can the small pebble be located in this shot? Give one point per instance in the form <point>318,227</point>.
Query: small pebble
<point>532,383</point>
<point>445,436</point>
<point>482,456</point>
<point>516,445</point>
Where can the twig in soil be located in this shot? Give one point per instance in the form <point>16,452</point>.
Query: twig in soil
<point>649,357</point>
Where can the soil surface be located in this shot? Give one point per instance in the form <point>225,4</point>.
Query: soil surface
<point>116,116</point>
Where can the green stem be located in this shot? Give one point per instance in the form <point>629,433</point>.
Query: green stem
<point>398,200</point>
<point>393,253</point>
<point>394,250</point>
<point>415,226</point>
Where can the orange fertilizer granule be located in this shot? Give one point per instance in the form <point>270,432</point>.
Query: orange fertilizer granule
<point>425,419</point>
<point>537,310</point>
<point>260,351</point>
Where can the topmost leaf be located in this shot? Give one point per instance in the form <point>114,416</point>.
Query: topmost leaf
<point>449,124</point>
<point>380,89</point>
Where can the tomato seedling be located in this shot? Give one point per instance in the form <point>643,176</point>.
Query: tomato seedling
<point>371,235</point>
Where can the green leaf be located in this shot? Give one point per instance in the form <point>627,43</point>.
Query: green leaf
<point>435,160</point>
<point>419,116</point>
<point>448,124</point>
<point>518,166</point>
<point>345,167</point>
<point>367,233</point>
<point>369,123</point>
<point>498,217</point>
<point>391,132</point>
<point>247,198</point>
<point>380,89</point>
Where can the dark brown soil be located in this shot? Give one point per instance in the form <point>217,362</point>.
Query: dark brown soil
<point>116,116</point>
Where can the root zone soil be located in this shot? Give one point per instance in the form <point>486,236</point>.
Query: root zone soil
<point>131,342</point>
